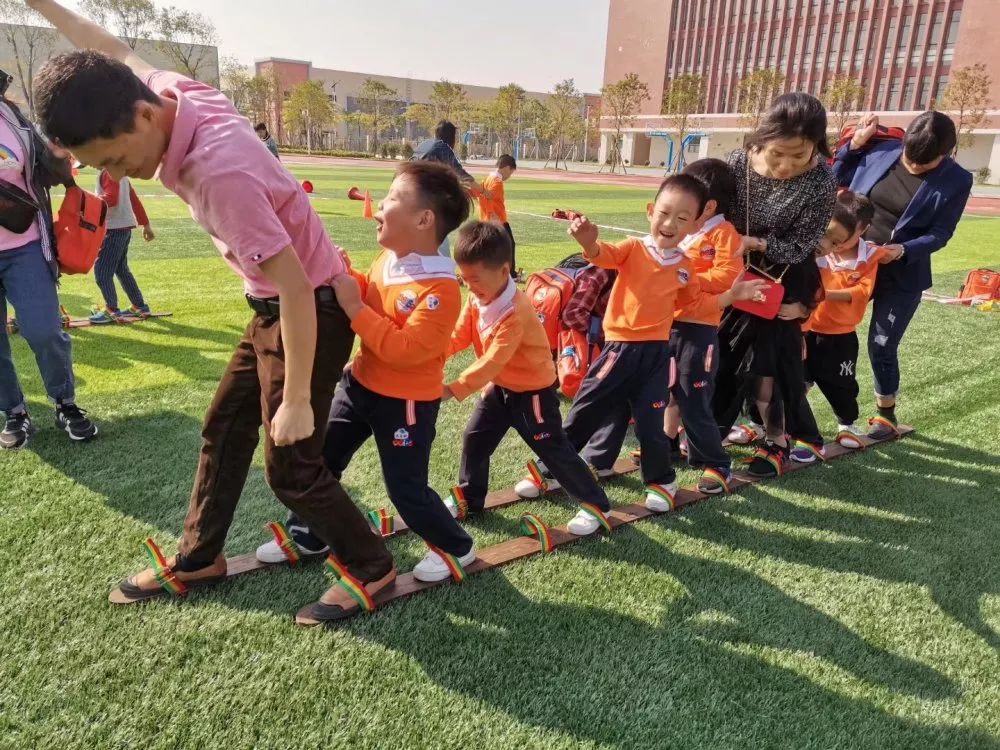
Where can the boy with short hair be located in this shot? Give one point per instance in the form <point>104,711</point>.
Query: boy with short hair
<point>404,315</point>
<point>493,205</point>
<point>515,377</point>
<point>272,145</point>
<point>848,273</point>
<point>112,110</point>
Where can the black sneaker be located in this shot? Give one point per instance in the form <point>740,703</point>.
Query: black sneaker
<point>16,431</point>
<point>880,428</point>
<point>74,421</point>
<point>768,461</point>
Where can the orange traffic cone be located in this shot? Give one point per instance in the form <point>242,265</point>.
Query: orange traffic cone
<point>369,214</point>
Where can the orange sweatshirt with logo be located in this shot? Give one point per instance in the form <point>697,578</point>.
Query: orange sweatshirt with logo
<point>714,254</point>
<point>510,343</point>
<point>648,288</point>
<point>411,306</point>
<point>854,276</point>
<point>496,206</point>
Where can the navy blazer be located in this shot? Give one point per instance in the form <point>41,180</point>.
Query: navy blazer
<point>928,222</point>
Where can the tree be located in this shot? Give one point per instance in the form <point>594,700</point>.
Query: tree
<point>29,41</point>
<point>379,103</point>
<point>187,39</point>
<point>621,101</point>
<point>756,90</point>
<point>263,100</point>
<point>132,20</point>
<point>235,78</point>
<point>968,97</point>
<point>309,110</point>
<point>564,123</point>
<point>842,98</point>
<point>503,114</point>
<point>684,95</point>
<point>449,101</point>
<point>423,115</point>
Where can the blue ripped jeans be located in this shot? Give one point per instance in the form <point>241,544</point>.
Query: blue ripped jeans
<point>892,312</point>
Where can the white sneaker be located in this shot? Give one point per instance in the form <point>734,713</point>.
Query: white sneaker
<point>272,554</point>
<point>849,436</point>
<point>654,500</point>
<point>529,490</point>
<point>584,523</point>
<point>744,433</point>
<point>451,506</point>
<point>433,567</point>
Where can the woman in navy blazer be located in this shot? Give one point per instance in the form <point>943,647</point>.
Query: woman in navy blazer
<point>919,193</point>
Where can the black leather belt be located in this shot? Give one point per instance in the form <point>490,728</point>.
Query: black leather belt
<point>271,306</point>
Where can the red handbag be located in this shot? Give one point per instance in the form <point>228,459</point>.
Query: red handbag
<point>769,298</point>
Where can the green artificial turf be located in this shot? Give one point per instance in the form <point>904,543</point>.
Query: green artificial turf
<point>851,605</point>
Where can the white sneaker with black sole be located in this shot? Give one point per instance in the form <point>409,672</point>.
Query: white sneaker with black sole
<point>18,429</point>
<point>74,422</point>
<point>309,546</point>
<point>433,567</point>
<point>850,436</point>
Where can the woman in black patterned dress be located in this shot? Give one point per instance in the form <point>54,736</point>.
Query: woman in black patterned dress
<point>785,197</point>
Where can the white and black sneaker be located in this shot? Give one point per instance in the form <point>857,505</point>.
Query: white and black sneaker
<point>74,421</point>
<point>16,431</point>
<point>309,545</point>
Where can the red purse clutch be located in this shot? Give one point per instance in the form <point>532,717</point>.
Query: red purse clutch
<point>766,308</point>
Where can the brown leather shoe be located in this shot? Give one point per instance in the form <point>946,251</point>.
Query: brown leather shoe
<point>143,586</point>
<point>336,604</point>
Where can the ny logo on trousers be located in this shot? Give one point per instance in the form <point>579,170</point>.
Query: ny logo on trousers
<point>846,369</point>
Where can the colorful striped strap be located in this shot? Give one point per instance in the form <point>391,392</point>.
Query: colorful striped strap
<point>458,498</point>
<point>883,422</point>
<point>532,525</point>
<point>454,566</point>
<point>766,455</point>
<point>536,476</point>
<point>846,435</point>
<point>164,575</point>
<point>664,493</point>
<point>818,453</point>
<point>350,584</point>
<point>592,510</point>
<point>382,521</point>
<point>717,476</point>
<point>285,542</point>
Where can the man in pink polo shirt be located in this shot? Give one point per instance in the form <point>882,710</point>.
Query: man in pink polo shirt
<point>114,111</point>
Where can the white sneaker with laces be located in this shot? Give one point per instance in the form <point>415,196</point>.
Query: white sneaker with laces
<point>433,567</point>
<point>272,554</point>
<point>584,523</point>
<point>849,436</point>
<point>744,433</point>
<point>655,501</point>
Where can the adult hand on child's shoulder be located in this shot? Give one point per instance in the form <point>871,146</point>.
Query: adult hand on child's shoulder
<point>348,294</point>
<point>292,422</point>
<point>890,253</point>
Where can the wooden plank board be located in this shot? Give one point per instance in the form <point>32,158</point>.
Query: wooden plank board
<point>124,321</point>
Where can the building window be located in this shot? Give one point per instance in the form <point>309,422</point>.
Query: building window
<point>911,84</point>
<point>932,41</point>
<point>949,45</point>
<point>890,41</point>
<point>893,102</point>
<point>925,92</point>
<point>942,84</point>
<point>880,97</point>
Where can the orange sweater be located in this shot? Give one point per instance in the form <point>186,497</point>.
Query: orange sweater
<point>714,254</point>
<point>854,276</point>
<point>412,304</point>
<point>648,287</point>
<point>495,207</point>
<point>510,343</point>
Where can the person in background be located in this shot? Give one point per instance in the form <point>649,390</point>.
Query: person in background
<point>493,206</point>
<point>919,193</point>
<point>264,135</point>
<point>125,213</point>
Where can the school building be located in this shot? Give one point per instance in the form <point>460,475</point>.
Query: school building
<point>901,51</point>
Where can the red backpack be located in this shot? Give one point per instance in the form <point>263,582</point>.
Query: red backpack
<point>883,133</point>
<point>549,290</point>
<point>982,283</point>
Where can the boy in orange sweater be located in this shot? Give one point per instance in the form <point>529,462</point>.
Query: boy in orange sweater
<point>404,317</point>
<point>494,207</point>
<point>515,377</point>
<point>848,273</point>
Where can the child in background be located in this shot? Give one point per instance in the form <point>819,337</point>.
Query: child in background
<point>125,213</point>
<point>515,375</point>
<point>848,272</point>
<point>493,206</point>
<point>404,316</point>
<point>268,139</point>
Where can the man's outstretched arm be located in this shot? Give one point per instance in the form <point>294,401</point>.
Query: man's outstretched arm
<point>85,34</point>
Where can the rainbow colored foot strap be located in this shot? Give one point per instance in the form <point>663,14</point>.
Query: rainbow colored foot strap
<point>454,566</point>
<point>845,435</point>
<point>592,510</point>
<point>458,498</point>
<point>285,542</point>
<point>164,575</point>
<point>64,314</point>
<point>536,476</point>
<point>661,491</point>
<point>717,476</point>
<point>811,448</point>
<point>350,584</point>
<point>382,521</point>
<point>881,421</point>
<point>532,525</point>
<point>766,455</point>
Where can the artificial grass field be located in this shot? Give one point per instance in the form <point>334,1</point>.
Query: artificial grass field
<point>850,605</point>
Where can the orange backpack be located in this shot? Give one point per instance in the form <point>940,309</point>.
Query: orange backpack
<point>573,362</point>
<point>549,290</point>
<point>79,230</point>
<point>982,283</point>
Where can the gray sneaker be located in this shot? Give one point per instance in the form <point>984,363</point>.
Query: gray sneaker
<point>16,431</point>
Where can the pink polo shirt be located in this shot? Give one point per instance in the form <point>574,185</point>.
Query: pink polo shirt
<point>241,195</point>
<point>12,171</point>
